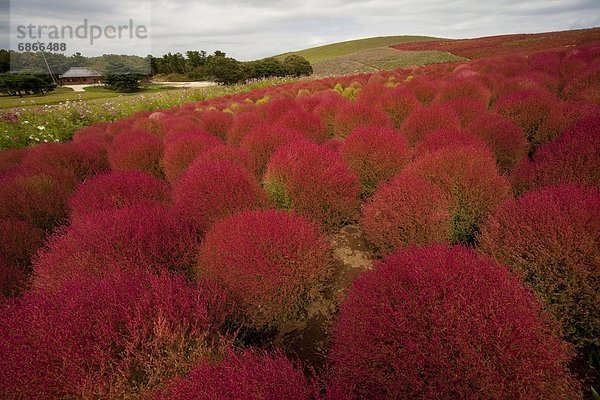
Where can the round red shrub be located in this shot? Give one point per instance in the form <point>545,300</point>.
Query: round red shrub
<point>306,122</point>
<point>464,88</point>
<point>250,375</point>
<point>136,152</point>
<point>572,157</point>
<point>213,190</point>
<point>315,181</point>
<point>19,240</point>
<point>549,237</point>
<point>506,140</point>
<point>437,140</point>
<point>469,176</point>
<point>10,159</point>
<point>272,263</point>
<point>216,122</point>
<point>84,159</point>
<point>181,150</point>
<point>330,104</point>
<point>242,124</point>
<point>356,115</point>
<point>424,88</point>
<point>264,140</point>
<point>13,280</point>
<point>528,109</point>
<point>110,337</point>
<point>37,196</point>
<point>467,110</point>
<point>376,154</point>
<point>406,211</point>
<point>236,155</point>
<point>425,119</point>
<point>445,323</point>
<point>117,190</point>
<point>398,103</point>
<point>150,237</point>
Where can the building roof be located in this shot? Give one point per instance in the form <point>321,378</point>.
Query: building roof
<point>80,72</point>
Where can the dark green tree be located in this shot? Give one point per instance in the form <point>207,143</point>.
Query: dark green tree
<point>224,70</point>
<point>296,65</point>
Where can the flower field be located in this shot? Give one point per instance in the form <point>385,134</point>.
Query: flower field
<point>175,254</point>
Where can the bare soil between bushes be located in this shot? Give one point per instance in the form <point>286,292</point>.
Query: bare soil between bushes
<point>307,339</point>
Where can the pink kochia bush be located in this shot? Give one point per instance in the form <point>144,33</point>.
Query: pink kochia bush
<point>572,157</point>
<point>150,237</point>
<point>445,323</point>
<point>406,211</point>
<point>182,149</point>
<point>549,237</point>
<point>136,151</point>
<point>278,264</point>
<point>469,177</point>
<point>212,190</point>
<point>315,181</point>
<point>250,375</point>
<point>117,190</point>
<point>110,337</point>
<point>376,154</point>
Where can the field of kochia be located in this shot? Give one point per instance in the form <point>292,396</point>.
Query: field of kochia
<point>186,253</point>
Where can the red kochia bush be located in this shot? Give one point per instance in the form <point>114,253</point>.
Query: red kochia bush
<point>117,190</point>
<point>549,237</point>
<point>216,122</point>
<point>398,103</point>
<point>242,124</point>
<point>356,115</point>
<point>468,175</point>
<point>572,157</point>
<point>109,337</point>
<point>437,140</point>
<point>313,180</point>
<point>528,109</point>
<point>406,211</point>
<point>236,155</point>
<point>272,262</point>
<point>506,140</point>
<point>36,196</point>
<point>306,122</point>
<point>148,237</point>
<point>251,375</point>
<point>376,154</point>
<point>182,149</point>
<point>19,240</point>
<point>264,140</point>
<point>425,119</point>
<point>84,159</point>
<point>467,110</point>
<point>13,279</point>
<point>136,152</point>
<point>213,190</point>
<point>445,323</point>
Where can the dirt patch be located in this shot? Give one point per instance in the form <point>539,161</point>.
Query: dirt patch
<point>307,338</point>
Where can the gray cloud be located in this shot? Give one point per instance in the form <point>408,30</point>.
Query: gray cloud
<point>257,28</point>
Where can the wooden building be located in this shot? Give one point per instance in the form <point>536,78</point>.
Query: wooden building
<point>80,76</point>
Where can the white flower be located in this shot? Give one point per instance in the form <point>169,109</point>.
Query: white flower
<point>41,127</point>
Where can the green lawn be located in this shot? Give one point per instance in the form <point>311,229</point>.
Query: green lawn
<point>329,51</point>
<point>62,94</point>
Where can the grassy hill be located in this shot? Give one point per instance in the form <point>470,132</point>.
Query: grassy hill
<point>329,51</point>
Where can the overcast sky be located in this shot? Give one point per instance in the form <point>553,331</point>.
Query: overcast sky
<point>258,28</point>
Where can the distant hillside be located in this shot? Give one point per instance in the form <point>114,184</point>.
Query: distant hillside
<point>381,58</point>
<point>506,44</point>
<point>334,50</point>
